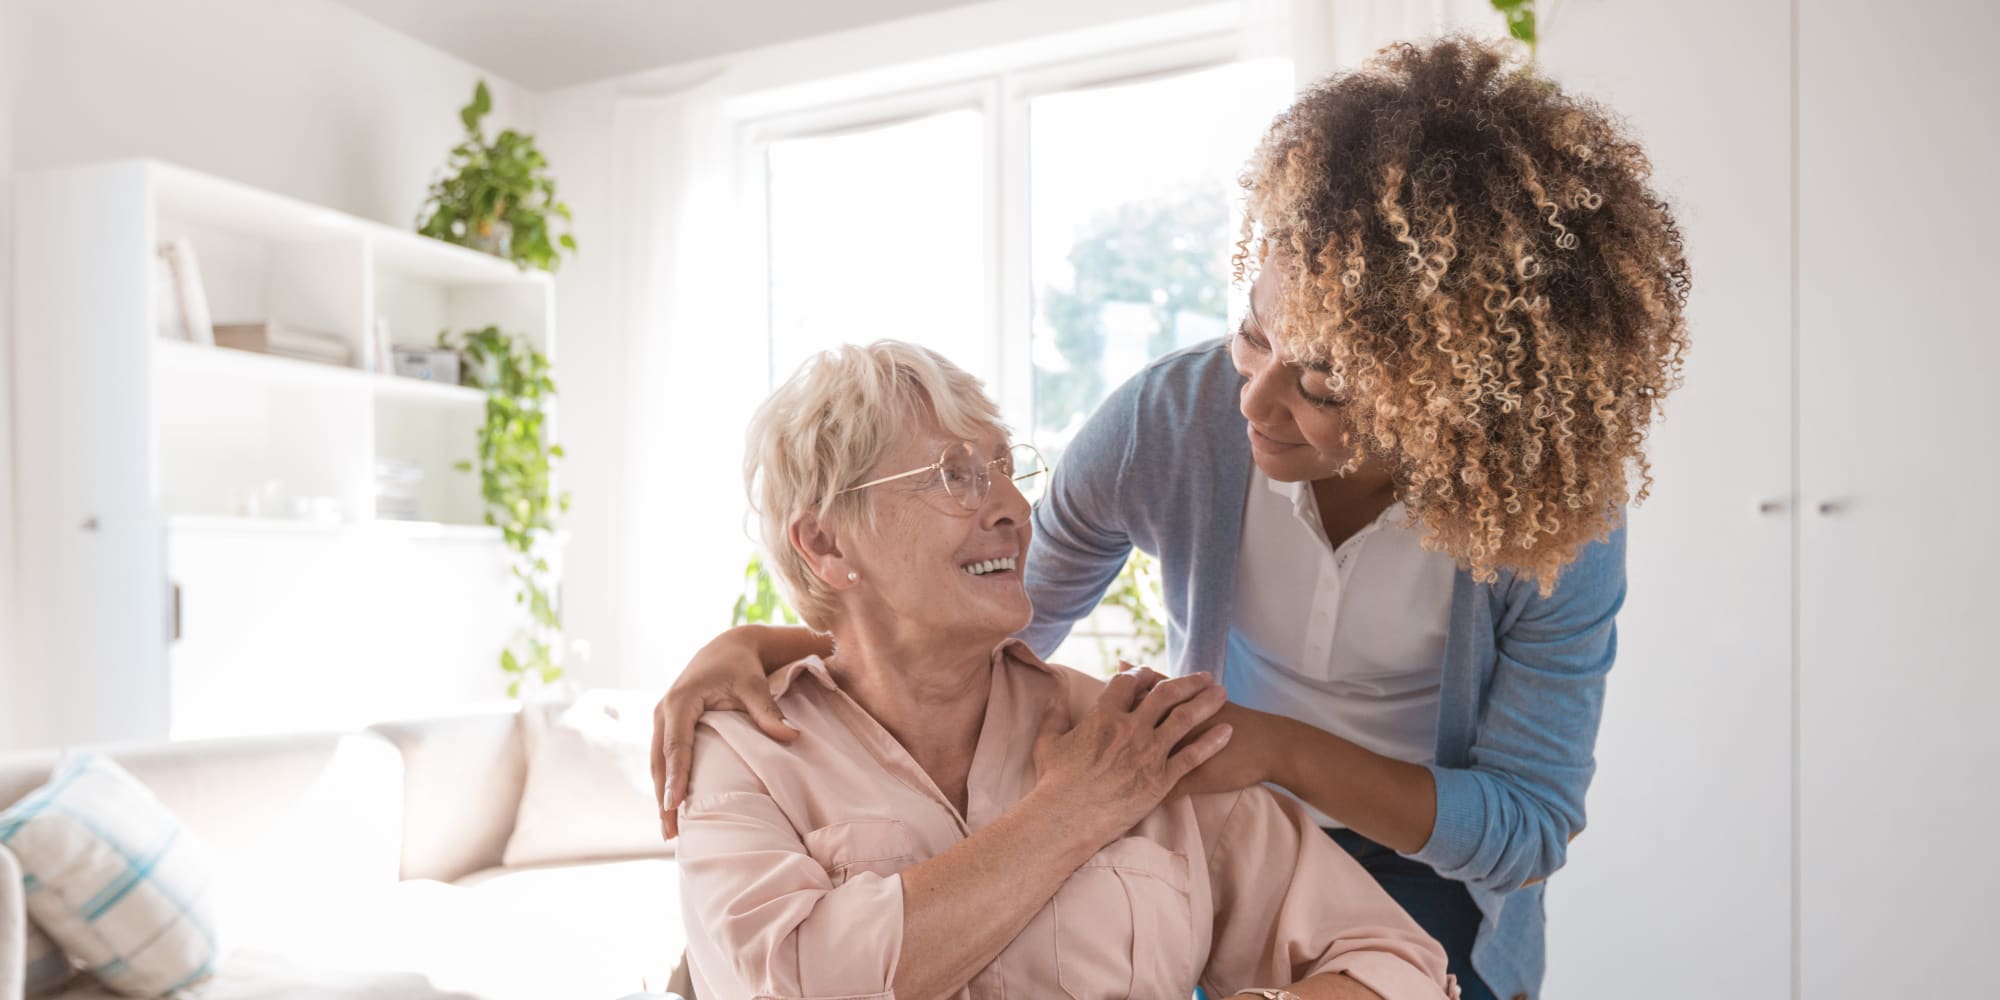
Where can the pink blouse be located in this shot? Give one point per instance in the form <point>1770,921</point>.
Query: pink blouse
<point>790,856</point>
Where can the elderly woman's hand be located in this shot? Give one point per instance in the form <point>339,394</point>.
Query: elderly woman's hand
<point>1119,761</point>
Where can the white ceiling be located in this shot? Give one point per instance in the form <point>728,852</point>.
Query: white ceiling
<point>544,45</point>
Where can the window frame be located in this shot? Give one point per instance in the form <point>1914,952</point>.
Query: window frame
<point>1005,83</point>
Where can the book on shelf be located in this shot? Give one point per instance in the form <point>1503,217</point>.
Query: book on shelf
<point>179,298</point>
<point>398,485</point>
<point>284,341</point>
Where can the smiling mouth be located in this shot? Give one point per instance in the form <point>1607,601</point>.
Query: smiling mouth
<point>988,567</point>
<point>1267,443</point>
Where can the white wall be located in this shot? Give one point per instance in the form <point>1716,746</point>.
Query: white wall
<point>576,136</point>
<point>8,68</point>
<point>305,98</point>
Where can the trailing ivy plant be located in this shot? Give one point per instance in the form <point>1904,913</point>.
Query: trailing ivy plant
<point>497,197</point>
<point>515,461</point>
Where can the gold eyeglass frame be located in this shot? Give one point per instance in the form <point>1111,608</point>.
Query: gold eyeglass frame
<point>985,473</point>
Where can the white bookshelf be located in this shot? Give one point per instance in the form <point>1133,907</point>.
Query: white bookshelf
<point>147,464</point>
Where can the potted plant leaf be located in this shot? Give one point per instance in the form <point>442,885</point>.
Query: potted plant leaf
<point>497,196</point>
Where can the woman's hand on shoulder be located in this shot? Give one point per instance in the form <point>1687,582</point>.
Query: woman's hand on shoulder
<point>727,675</point>
<point>1121,759</point>
<point>1255,754</point>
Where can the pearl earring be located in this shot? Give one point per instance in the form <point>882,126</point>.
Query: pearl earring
<point>852,576</point>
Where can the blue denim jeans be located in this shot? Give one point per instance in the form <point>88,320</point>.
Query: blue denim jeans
<point>1439,905</point>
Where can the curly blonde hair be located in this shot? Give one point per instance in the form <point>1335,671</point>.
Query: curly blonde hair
<point>1494,289</point>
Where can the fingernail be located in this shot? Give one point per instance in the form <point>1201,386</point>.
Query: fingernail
<point>789,724</point>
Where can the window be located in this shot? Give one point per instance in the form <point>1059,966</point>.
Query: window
<point>1135,214</point>
<point>879,232</point>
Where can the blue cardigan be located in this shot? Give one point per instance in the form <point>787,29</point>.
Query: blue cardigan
<point>1164,465</point>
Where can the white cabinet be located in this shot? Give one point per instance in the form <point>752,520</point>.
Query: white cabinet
<point>1792,794</point>
<point>1681,884</point>
<point>1898,544</point>
<point>248,481</point>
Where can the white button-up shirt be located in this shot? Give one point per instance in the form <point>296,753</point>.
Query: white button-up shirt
<point>1349,639</point>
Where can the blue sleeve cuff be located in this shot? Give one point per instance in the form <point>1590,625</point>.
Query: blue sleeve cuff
<point>1460,825</point>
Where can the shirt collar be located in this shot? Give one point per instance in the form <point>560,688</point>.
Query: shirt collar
<point>1306,507</point>
<point>1009,648</point>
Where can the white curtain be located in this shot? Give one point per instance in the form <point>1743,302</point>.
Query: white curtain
<point>1325,36</point>
<point>691,372</point>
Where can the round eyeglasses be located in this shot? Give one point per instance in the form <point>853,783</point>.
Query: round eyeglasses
<point>967,478</point>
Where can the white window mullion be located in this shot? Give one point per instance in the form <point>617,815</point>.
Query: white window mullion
<point>753,198</point>
<point>1014,315</point>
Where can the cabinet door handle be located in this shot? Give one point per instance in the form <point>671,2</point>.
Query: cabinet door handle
<point>1828,508</point>
<point>174,610</point>
<point>1772,506</point>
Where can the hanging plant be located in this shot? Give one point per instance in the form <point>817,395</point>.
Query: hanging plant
<point>515,461</point>
<point>497,197</point>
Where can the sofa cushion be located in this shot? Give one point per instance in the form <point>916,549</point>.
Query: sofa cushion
<point>589,792</point>
<point>462,778</point>
<point>584,931</point>
<point>602,929</point>
<point>114,878</point>
<point>295,825</point>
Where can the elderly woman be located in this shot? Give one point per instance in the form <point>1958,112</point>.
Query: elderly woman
<point>956,817</point>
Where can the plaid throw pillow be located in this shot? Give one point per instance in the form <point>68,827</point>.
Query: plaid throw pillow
<point>114,878</point>
<point>48,968</point>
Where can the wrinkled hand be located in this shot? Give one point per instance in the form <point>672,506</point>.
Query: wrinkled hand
<point>1119,761</point>
<point>724,676</point>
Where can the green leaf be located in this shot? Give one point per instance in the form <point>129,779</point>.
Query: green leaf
<point>1523,27</point>
<point>1520,18</point>
<point>482,102</point>
<point>497,196</point>
<point>513,462</point>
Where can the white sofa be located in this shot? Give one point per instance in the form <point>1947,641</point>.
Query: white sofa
<point>368,865</point>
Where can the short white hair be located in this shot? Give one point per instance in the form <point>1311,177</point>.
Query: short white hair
<point>829,424</point>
